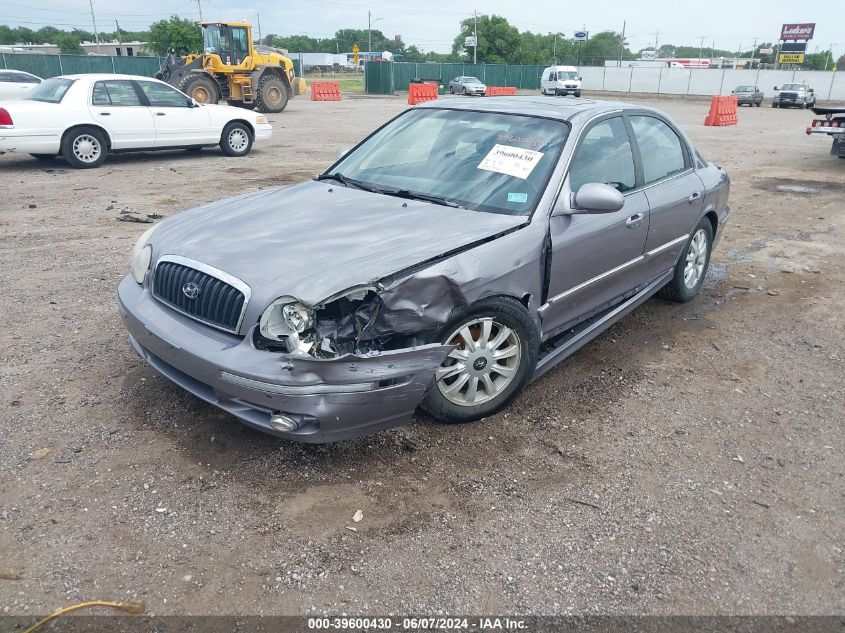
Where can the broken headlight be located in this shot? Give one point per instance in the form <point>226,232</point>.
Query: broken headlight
<point>285,317</point>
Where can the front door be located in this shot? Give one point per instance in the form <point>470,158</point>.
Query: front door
<point>596,257</point>
<point>117,106</point>
<point>177,123</point>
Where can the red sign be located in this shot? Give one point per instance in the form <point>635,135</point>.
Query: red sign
<point>797,31</point>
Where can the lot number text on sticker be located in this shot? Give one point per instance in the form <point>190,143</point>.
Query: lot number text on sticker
<point>513,161</point>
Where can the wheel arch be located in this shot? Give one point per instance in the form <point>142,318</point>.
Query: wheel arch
<point>277,71</point>
<point>249,126</point>
<point>77,126</point>
<point>713,218</point>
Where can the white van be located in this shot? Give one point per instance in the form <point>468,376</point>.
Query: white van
<point>561,80</point>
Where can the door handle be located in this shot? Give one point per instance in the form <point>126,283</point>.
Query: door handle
<point>695,195</point>
<point>105,113</point>
<point>634,221</point>
<point>161,113</point>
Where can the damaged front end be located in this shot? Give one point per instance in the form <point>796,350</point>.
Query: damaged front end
<point>349,323</point>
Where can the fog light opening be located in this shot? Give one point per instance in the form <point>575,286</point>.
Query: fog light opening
<point>281,422</point>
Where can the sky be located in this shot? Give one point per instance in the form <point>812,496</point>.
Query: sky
<point>433,24</point>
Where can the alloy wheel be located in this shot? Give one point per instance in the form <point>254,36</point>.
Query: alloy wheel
<point>696,259</point>
<point>482,365</point>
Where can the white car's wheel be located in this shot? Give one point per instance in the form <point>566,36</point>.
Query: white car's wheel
<point>85,147</point>
<point>236,139</point>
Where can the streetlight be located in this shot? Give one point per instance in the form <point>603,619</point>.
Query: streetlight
<point>830,54</point>
<point>369,29</point>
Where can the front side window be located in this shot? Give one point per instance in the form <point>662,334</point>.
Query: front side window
<point>214,39</point>
<point>605,157</point>
<point>162,96</point>
<point>661,149</point>
<point>498,163</point>
<point>115,93</point>
<point>51,91</point>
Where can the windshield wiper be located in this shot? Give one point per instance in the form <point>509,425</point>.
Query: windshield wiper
<point>349,181</point>
<point>413,195</point>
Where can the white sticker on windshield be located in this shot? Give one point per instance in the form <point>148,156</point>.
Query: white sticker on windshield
<point>513,161</point>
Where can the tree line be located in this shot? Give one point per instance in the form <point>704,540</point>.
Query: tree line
<point>499,42</point>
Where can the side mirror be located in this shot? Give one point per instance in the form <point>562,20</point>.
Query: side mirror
<point>580,78</point>
<point>776,87</point>
<point>811,90</point>
<point>193,102</point>
<point>595,197</point>
<point>341,152</point>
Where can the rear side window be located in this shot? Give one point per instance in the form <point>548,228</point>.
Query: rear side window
<point>51,91</point>
<point>25,78</point>
<point>661,149</point>
<point>115,93</point>
<point>604,156</point>
<point>7,77</point>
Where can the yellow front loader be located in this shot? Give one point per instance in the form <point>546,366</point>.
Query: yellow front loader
<point>231,68</point>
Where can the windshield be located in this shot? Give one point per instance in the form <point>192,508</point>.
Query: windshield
<point>567,74</point>
<point>745,89</point>
<point>471,80</point>
<point>214,39</point>
<point>792,86</point>
<point>498,163</point>
<point>51,90</point>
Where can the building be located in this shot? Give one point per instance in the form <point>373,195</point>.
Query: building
<point>120,49</point>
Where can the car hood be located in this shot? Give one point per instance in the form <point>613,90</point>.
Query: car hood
<point>316,239</point>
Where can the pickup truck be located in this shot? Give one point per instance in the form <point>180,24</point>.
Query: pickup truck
<point>748,95</point>
<point>833,124</point>
<point>794,96</point>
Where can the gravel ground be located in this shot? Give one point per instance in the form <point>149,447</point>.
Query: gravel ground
<point>688,461</point>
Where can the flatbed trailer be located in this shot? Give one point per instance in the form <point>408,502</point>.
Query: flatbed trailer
<point>833,124</point>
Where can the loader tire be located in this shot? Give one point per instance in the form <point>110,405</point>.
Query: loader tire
<point>272,95</point>
<point>201,88</point>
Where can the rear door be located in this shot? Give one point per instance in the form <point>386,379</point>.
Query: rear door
<point>177,122</point>
<point>674,190</point>
<point>117,106</point>
<point>596,258</point>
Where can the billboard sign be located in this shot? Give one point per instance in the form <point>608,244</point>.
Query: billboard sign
<point>766,51</point>
<point>648,55</point>
<point>798,31</point>
<point>470,41</point>
<point>582,36</point>
<point>793,47</point>
<point>791,58</point>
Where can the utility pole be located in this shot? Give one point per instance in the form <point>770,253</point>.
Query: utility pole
<point>117,26</point>
<point>94,22</point>
<point>656,35</point>
<point>258,15</point>
<point>475,32</point>
<point>622,43</point>
<point>554,52</point>
<point>199,7</point>
<point>701,51</point>
<point>829,55</point>
<point>369,32</point>
<point>753,53</point>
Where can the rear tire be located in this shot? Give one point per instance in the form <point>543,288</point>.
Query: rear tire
<point>272,95</point>
<point>85,147</point>
<point>236,139</point>
<point>474,381</point>
<point>202,88</point>
<point>691,268</point>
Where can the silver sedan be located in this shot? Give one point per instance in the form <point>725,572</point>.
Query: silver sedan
<point>467,86</point>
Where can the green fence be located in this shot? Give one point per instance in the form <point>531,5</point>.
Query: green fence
<point>53,65</point>
<point>388,77</point>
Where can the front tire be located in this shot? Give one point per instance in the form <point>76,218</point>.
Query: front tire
<point>272,95</point>
<point>236,139</point>
<point>85,147</point>
<point>496,351</point>
<point>691,268</point>
<point>201,88</point>
<point>578,94</point>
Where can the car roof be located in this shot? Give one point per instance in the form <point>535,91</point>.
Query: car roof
<point>104,76</point>
<point>562,108</point>
<point>17,72</point>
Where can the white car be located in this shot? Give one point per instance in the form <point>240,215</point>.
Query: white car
<point>83,118</point>
<point>16,84</point>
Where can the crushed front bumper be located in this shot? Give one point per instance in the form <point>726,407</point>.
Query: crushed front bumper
<point>334,400</point>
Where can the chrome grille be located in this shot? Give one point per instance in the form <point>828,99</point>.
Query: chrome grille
<point>201,292</point>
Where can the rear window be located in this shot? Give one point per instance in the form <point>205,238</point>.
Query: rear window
<point>51,90</point>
